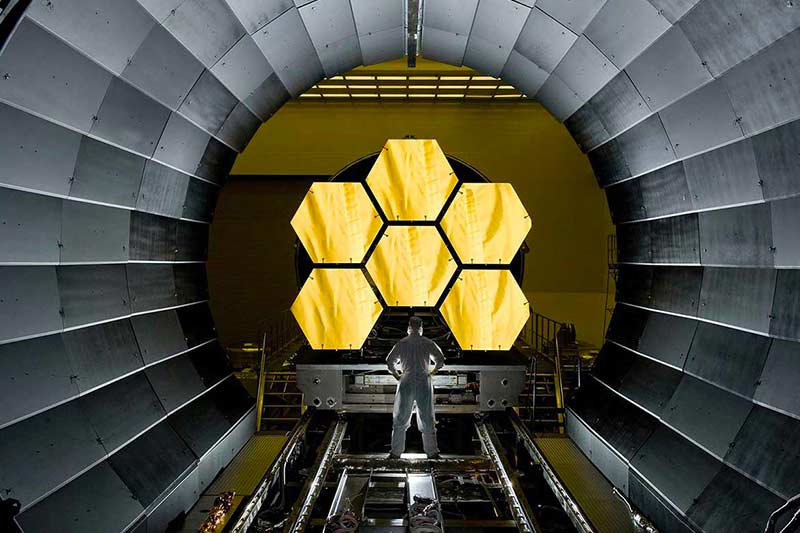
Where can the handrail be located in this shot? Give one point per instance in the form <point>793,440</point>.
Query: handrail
<point>559,388</point>
<point>790,505</point>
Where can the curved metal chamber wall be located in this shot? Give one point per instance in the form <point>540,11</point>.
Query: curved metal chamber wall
<point>121,119</point>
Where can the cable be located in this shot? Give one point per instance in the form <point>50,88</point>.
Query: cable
<point>425,515</point>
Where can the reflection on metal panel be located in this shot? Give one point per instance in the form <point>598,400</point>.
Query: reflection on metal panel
<point>30,302</point>
<point>163,190</point>
<point>106,174</point>
<point>543,40</point>
<point>159,335</point>
<point>31,227</point>
<point>723,177</point>
<point>208,28</point>
<point>738,296</point>
<point>151,286</point>
<point>92,293</point>
<point>153,238</point>
<point>93,233</point>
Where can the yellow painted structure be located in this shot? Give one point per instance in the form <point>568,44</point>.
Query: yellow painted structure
<point>336,222</point>
<point>486,223</point>
<point>411,266</point>
<point>336,308</point>
<point>485,309</point>
<point>411,179</point>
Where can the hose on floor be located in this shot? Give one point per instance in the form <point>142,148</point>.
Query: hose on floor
<point>425,515</point>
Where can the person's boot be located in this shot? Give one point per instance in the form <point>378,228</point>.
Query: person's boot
<point>392,456</point>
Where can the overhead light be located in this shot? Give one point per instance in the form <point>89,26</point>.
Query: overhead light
<point>363,87</point>
<point>393,96</point>
<point>506,87</point>
<point>452,86</point>
<point>483,78</point>
<point>451,96</point>
<point>507,95</point>
<point>336,95</point>
<point>422,95</point>
<point>365,96</point>
<point>422,77</point>
<point>483,87</point>
<point>326,86</point>
<point>310,95</point>
<point>359,77</point>
<point>391,77</point>
<point>422,86</point>
<point>455,78</point>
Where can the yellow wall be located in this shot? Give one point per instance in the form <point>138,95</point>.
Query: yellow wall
<point>518,143</point>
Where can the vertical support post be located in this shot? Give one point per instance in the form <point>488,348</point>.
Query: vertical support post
<point>262,377</point>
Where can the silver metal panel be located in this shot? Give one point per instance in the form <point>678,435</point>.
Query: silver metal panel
<point>724,33</point>
<point>159,335</point>
<point>523,74</point>
<point>151,286</point>
<point>677,467</point>
<point>243,68</point>
<point>163,68</point>
<point>62,442</point>
<point>268,97</point>
<point>673,10</point>
<point>49,77</point>
<point>610,464</point>
<point>646,146</point>
<point>34,374</point>
<point>668,70</point>
<point>108,31</point>
<point>208,103</point>
<point>255,15</point>
<point>159,9</point>
<point>163,190</point>
<point>665,191</point>
<point>30,302</point>
<point>609,163</point>
<point>777,160</point>
<point>786,307</point>
<point>36,154</point>
<point>93,233</point>
<point>739,236</point>
<point>619,105</point>
<point>585,69</point>
<point>288,48</point>
<point>574,14</point>
<point>543,40</point>
<point>381,46</point>
<point>777,386</point>
<point>332,30</point>
<point>201,198</point>
<point>449,16</point>
<point>182,144</point>
<point>765,90</point>
<point>153,238</point>
<point>208,28</point>
<point>500,389</point>
<point>106,174</point>
<point>708,415</point>
<point>495,30</point>
<point>373,16</point>
<point>622,29</point>
<point>322,387</point>
<point>557,98</point>
<point>96,501</point>
<point>738,296</point>
<point>30,227</point>
<point>92,293</point>
<point>443,46</point>
<point>785,237</point>
<point>704,119</point>
<point>585,126</point>
<point>667,338</point>
<point>675,239</point>
<point>175,381</point>
<point>726,176</point>
<point>239,127</point>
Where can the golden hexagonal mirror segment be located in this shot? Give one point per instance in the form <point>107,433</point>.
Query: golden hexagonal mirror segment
<point>485,309</point>
<point>336,308</point>
<point>486,223</point>
<point>336,222</point>
<point>411,179</point>
<point>411,266</point>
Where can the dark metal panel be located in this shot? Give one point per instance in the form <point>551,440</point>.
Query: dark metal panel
<point>635,285</point>
<point>201,199</point>
<point>766,449</point>
<point>665,191</point>
<point>729,358</point>
<point>649,384</point>
<point>182,144</point>
<point>163,190</point>
<point>610,464</point>
<point>677,289</point>
<point>785,318</point>
<point>668,338</point>
<point>628,325</point>
<point>216,162</point>
<point>93,233</point>
<point>92,293</point>
<point>178,502</point>
<point>493,34</point>
<point>153,238</point>
<point>723,177</point>
<point>785,241</point>
<point>152,462</point>
<point>192,242</point>
<point>633,243</point>
<point>708,415</point>
<point>653,507</point>
<point>191,283</point>
<point>200,424</point>
<point>613,364</point>
<point>673,10</point>
<point>120,411</point>
<point>30,301</point>
<point>723,32</point>
<point>608,163</point>
<point>586,128</point>
<point>101,353</point>
<point>151,286</point>
<point>62,443</point>
<point>619,105</point>
<point>30,227</point>
<point>646,146</point>
<point>34,374</point>
<point>738,296</point>
<point>197,323</point>
<point>243,68</point>
<point>159,335</point>
<point>46,75</point>
<point>255,15</point>
<point>36,154</point>
<point>702,120</point>
<point>738,236</point>
<point>163,68</point>
<point>543,40</point>
<point>585,69</point>
<point>675,239</point>
<point>239,127</point>
<point>208,103</point>
<point>780,378</point>
<point>211,363</point>
<point>332,29</point>
<point>623,28</point>
<point>130,118</point>
<point>175,382</point>
<point>208,28</point>
<point>778,161</point>
<point>731,502</point>
<point>96,501</point>
<point>678,468</point>
<point>574,15</point>
<point>268,97</point>
<point>106,174</point>
<point>625,201</point>
<point>108,31</point>
<point>288,48</point>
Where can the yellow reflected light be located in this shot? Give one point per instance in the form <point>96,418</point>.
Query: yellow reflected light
<point>411,266</point>
<point>336,222</point>
<point>486,223</point>
<point>336,308</point>
<point>485,309</point>
<point>411,179</point>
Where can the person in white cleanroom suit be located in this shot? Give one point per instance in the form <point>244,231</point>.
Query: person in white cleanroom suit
<point>410,363</point>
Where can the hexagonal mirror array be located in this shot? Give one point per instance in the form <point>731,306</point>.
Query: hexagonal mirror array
<point>423,244</point>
